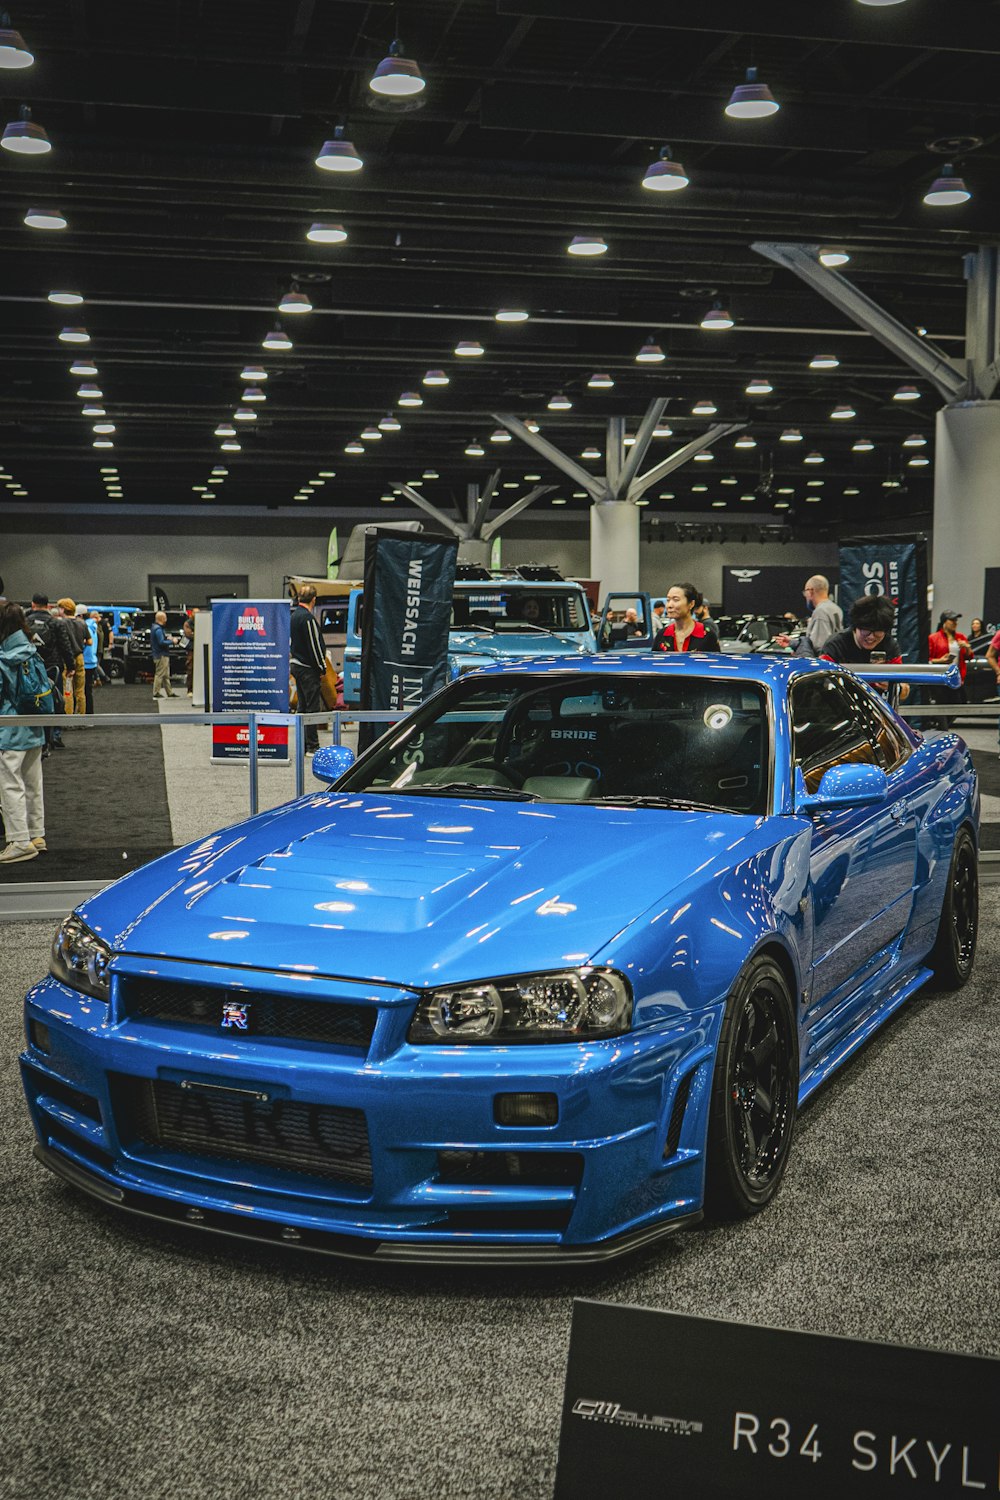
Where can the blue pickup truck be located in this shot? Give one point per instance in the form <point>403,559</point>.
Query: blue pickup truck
<point>498,618</point>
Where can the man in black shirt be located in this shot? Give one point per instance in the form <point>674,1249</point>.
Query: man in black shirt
<point>308,660</point>
<point>872,618</point>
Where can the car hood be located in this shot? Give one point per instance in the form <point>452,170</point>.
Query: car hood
<point>482,649</point>
<point>413,890</point>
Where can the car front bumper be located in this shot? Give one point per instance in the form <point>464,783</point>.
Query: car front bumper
<point>434,1178</point>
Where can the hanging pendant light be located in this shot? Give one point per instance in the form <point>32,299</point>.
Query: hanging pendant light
<point>436,377</point>
<point>295,302</point>
<point>650,353</point>
<point>906,393</point>
<point>339,155</point>
<point>24,137</point>
<point>511,315</point>
<point>947,189</point>
<point>591,452</point>
<point>244,414</point>
<point>390,423</point>
<point>231,446</point>
<point>45,218</point>
<point>745,441</point>
<point>915,440</point>
<point>225,429</point>
<point>560,402</point>
<point>824,362</point>
<point>704,409</point>
<point>842,414</point>
<point>93,411</point>
<point>90,392</point>
<point>354,447</point>
<point>64,299</point>
<point>397,76</point>
<point>759,386</point>
<point>74,336</point>
<point>600,382</point>
<point>103,428</point>
<point>862,445</point>
<point>716,319</point>
<point>83,367</point>
<point>500,436</point>
<point>13,53</point>
<point>322,233</point>
<point>831,256</point>
<point>469,349</point>
<point>663,429</point>
<point>475,449</point>
<point>253,394</point>
<point>532,426</point>
<point>276,339</point>
<point>814,458</point>
<point>790,435</point>
<point>665,175</point>
<point>587,245</point>
<point>410,398</point>
<point>751,100</point>
<point>253,374</point>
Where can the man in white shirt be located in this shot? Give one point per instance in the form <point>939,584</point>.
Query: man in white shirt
<point>825,620</point>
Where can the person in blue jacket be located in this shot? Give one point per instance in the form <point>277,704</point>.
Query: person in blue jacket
<point>90,656</point>
<point>21,800</point>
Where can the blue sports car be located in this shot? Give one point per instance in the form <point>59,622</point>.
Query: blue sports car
<point>543,975</point>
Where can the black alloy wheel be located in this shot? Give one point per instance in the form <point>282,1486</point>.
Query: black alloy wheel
<point>754,1094</point>
<point>954,949</point>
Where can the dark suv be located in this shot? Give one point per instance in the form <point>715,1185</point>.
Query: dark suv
<point>137,654</point>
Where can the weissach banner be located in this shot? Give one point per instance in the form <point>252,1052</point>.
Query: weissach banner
<point>895,566</point>
<point>250,651</point>
<point>404,636</point>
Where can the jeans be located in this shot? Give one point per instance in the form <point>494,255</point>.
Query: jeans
<point>21,795</point>
<point>310,702</point>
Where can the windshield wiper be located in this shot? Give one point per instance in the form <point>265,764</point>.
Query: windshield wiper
<point>458,788</point>
<point>681,802</point>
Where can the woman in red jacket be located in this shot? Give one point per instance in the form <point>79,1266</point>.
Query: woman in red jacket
<point>683,632</point>
<point>947,644</point>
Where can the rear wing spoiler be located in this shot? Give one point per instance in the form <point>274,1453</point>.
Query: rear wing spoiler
<point>915,672</point>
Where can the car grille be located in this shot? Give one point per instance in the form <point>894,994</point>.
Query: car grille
<point>265,1015</point>
<point>319,1139</point>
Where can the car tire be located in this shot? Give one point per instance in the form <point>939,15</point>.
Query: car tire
<point>754,1094</point>
<point>954,949</point>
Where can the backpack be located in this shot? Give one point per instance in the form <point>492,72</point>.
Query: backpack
<point>32,692</point>
<point>42,633</point>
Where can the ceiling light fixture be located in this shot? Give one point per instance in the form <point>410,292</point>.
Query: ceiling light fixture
<point>531,424</point>
<point>558,501</point>
<point>410,398</point>
<point>832,256</point>
<point>842,414</point>
<point>354,446</point>
<point>790,435</point>
<point>704,457</point>
<point>244,414</point>
<point>83,367</point>
<point>277,338</point>
<point>322,233</point>
<point>390,423</point>
<point>704,409</point>
<point>863,445</point>
<point>90,392</point>
<point>500,436</point>
<point>104,427</point>
<point>371,435</point>
<point>751,100</point>
<point>665,175</point>
<point>469,349</point>
<point>600,382</point>
<point>947,189</point>
<point>93,411</point>
<point>663,430</point>
<point>906,393</point>
<point>628,441</point>
<point>397,76</point>
<point>814,458</point>
<point>253,374</point>
<point>650,353</point>
<point>716,319</point>
<point>824,362</point>
<point>225,429</point>
<point>560,402</point>
<point>45,218</point>
<point>587,245</point>
<point>759,386</point>
<point>436,377</point>
<point>511,315</point>
<point>475,449</point>
<point>917,463</point>
<point>339,155</point>
<point>231,446</point>
<point>23,137</point>
<point>295,302</point>
<point>815,484</point>
<point>102,443</point>
<point>431,474</point>
<point>745,441</point>
<point>65,299</point>
<point>253,393</point>
<point>915,440</point>
<point>74,336</point>
<point>13,52</point>
<point>591,452</point>
<point>327,473</point>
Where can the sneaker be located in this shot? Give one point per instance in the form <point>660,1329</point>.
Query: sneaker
<point>40,843</point>
<point>15,852</point>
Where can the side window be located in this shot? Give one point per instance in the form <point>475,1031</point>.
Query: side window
<point>890,741</point>
<point>826,728</point>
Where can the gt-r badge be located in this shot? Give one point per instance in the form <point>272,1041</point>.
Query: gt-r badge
<point>235,1013</point>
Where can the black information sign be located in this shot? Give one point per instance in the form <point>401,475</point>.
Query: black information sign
<point>409,581</point>
<point>768,589</point>
<point>658,1404</point>
<point>896,567</point>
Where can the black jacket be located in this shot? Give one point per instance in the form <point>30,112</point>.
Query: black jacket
<point>56,648</point>
<point>306,641</point>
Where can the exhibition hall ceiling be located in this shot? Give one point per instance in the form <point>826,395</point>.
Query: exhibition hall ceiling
<point>184,139</point>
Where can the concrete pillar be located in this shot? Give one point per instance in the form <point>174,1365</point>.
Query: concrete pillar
<point>966,505</point>
<point>475,550</point>
<point>614,544</point>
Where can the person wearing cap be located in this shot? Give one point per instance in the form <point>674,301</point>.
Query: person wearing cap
<point>944,645</point>
<point>90,652</point>
<point>79,636</point>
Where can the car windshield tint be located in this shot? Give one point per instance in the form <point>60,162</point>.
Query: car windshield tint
<point>585,738</point>
<point>512,608</point>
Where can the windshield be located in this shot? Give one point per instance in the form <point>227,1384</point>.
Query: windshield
<point>635,740</point>
<point>518,607</point>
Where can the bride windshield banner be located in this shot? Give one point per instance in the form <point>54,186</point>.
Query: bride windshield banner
<point>662,1405</point>
<point>895,566</point>
<point>404,638</point>
<point>250,648</point>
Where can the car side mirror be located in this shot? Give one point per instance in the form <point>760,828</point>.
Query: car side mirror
<point>332,762</point>
<point>842,786</point>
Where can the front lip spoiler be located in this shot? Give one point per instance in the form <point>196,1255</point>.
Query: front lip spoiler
<point>345,1247</point>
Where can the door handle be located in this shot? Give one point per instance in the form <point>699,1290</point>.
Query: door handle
<point>900,811</point>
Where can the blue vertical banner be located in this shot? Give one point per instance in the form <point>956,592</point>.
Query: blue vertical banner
<point>409,581</point>
<point>895,566</point>
<point>250,653</point>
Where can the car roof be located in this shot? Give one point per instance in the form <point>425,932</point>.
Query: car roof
<point>774,671</point>
<point>543,585</point>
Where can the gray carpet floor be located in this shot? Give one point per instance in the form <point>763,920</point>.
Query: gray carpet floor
<point>140,1362</point>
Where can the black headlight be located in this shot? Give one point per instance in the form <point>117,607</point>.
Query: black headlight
<point>570,1005</point>
<point>80,959</point>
